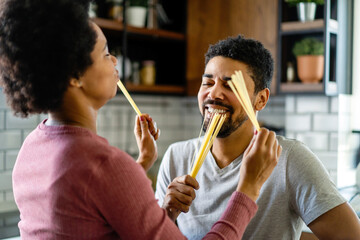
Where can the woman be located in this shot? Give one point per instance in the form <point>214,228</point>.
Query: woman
<point>68,182</point>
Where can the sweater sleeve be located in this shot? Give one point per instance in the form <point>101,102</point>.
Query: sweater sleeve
<point>123,195</point>
<point>232,224</point>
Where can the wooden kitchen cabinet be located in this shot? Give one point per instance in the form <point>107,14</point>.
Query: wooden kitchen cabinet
<point>209,21</point>
<point>332,27</point>
<point>165,45</point>
<point>179,49</point>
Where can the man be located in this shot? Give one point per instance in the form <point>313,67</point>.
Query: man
<point>298,190</point>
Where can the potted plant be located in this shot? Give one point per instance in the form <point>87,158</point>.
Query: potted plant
<point>309,54</point>
<point>136,12</point>
<point>306,9</point>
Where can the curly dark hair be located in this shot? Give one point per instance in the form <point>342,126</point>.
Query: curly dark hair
<point>250,52</point>
<point>43,44</point>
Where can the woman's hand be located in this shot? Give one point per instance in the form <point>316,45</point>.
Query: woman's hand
<point>146,134</point>
<point>259,160</point>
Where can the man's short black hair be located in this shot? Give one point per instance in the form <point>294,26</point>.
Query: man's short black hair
<point>43,44</point>
<point>248,51</point>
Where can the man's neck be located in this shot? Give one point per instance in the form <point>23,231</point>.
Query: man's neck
<point>226,150</point>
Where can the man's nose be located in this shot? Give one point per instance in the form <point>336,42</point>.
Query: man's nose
<point>216,92</point>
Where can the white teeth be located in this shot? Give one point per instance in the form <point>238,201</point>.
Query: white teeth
<point>214,110</point>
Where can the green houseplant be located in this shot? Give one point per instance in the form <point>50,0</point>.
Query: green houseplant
<point>308,46</point>
<point>309,54</point>
<point>138,3</point>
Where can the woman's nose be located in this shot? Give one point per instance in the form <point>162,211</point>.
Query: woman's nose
<point>114,59</point>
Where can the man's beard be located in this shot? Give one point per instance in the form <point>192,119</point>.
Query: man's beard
<point>229,125</point>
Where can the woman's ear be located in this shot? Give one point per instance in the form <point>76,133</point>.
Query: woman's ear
<point>262,98</point>
<point>74,82</point>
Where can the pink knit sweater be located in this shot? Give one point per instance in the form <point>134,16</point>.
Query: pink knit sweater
<point>70,183</point>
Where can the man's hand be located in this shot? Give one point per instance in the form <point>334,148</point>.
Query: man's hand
<point>146,134</point>
<point>179,195</point>
<point>259,160</point>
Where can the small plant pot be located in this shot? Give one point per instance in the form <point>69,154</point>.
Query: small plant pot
<point>306,11</point>
<point>310,68</point>
<point>136,16</point>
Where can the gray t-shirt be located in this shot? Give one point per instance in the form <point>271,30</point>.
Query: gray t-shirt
<point>299,189</point>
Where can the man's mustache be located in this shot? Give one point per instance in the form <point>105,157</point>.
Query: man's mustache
<point>218,103</point>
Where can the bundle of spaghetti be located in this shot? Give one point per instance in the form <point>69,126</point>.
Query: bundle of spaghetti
<point>238,86</point>
<point>211,133</point>
<point>128,97</point>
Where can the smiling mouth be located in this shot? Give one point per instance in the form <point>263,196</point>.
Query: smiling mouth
<point>210,111</point>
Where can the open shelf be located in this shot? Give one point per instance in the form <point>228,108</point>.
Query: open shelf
<point>160,89</point>
<point>301,26</point>
<point>316,25</point>
<point>156,33</point>
<point>302,87</point>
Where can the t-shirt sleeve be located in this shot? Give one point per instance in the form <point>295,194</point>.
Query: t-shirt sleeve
<point>312,191</point>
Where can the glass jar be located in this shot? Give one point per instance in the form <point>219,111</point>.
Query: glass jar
<point>115,9</point>
<point>147,73</point>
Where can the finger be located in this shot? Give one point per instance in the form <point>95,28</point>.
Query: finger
<point>182,189</point>
<point>152,127</point>
<point>137,127</point>
<point>261,137</point>
<point>279,151</point>
<point>174,204</point>
<point>157,135</point>
<point>247,150</point>
<point>144,126</point>
<point>188,180</point>
<point>271,139</point>
<point>185,199</point>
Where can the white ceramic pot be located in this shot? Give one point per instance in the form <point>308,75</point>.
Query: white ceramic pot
<point>306,11</point>
<point>136,16</point>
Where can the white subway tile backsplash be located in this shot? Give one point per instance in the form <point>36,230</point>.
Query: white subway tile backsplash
<point>290,135</point>
<point>10,139</point>
<point>307,104</point>
<point>193,121</point>
<point>344,103</point>
<point>290,104</point>
<point>329,159</point>
<point>5,181</point>
<point>2,161</point>
<point>334,107</point>
<point>272,119</point>
<point>2,119</point>
<point>3,104</point>
<point>9,196</point>
<point>326,122</point>
<point>297,122</point>
<point>315,141</point>
<point>10,157</point>
<point>13,122</point>
<point>12,220</point>
<point>334,142</point>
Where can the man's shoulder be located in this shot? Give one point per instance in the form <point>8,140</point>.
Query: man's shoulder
<point>185,144</point>
<point>290,144</point>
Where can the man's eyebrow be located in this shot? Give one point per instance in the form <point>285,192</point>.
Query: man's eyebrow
<point>206,75</point>
<point>226,78</point>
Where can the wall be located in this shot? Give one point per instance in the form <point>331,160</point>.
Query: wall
<point>314,121</point>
